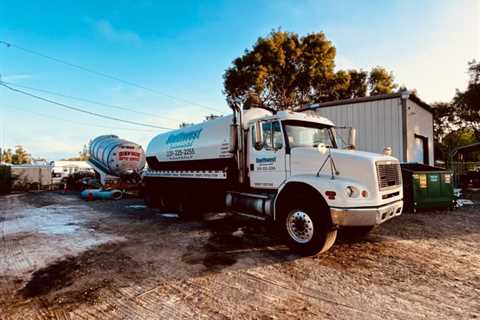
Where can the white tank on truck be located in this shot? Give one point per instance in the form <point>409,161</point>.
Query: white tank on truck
<point>116,156</point>
<point>284,167</point>
<point>205,148</point>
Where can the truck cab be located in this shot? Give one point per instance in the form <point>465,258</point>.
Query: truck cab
<point>300,161</point>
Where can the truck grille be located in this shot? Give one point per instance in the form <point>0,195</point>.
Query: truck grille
<point>388,175</point>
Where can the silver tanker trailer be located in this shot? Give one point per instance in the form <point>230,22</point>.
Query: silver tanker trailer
<point>115,159</point>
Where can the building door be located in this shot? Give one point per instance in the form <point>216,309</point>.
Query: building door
<point>421,149</point>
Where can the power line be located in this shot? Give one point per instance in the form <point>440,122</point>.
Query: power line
<point>107,76</point>
<point>74,122</point>
<point>89,101</point>
<point>63,105</point>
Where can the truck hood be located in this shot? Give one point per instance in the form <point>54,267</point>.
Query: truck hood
<point>353,165</point>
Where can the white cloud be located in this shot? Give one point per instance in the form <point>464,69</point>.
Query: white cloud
<point>111,33</point>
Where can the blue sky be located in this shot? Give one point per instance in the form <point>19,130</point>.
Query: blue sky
<point>182,48</point>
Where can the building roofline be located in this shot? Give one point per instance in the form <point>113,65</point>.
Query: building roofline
<point>400,94</point>
<point>472,146</point>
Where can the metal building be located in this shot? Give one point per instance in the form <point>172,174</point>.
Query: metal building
<point>400,120</point>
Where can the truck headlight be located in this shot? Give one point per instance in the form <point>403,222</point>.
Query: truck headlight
<point>351,192</point>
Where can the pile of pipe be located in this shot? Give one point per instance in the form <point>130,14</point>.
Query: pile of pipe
<point>101,194</point>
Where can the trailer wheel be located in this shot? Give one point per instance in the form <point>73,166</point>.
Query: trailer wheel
<point>186,207</point>
<point>148,198</point>
<point>182,210</point>
<point>151,199</point>
<point>306,230</point>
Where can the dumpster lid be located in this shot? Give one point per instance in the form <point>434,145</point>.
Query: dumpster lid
<point>419,167</point>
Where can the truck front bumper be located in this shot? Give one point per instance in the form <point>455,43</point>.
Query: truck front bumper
<point>356,217</point>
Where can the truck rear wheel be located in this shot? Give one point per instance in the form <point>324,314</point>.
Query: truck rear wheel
<point>185,207</point>
<point>306,230</point>
<point>154,199</point>
<point>150,199</point>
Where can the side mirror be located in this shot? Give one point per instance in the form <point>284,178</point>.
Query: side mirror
<point>258,135</point>
<point>352,137</point>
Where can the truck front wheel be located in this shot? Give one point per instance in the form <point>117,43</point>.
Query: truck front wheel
<point>306,230</point>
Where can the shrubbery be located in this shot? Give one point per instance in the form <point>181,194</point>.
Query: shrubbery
<point>74,181</point>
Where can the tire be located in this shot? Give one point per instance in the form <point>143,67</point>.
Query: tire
<point>153,199</point>
<point>183,211</point>
<point>356,232</point>
<point>149,199</point>
<point>186,207</point>
<point>306,229</point>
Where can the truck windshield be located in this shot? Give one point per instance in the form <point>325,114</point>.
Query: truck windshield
<point>306,134</point>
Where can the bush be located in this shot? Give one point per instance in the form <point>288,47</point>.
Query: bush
<point>5,179</point>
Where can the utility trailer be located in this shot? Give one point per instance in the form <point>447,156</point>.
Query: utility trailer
<point>31,177</point>
<point>284,167</point>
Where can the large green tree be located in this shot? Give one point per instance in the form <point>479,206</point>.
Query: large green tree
<point>358,85</point>
<point>281,71</point>
<point>7,155</point>
<point>287,71</point>
<point>458,122</point>
<point>19,156</point>
<point>467,103</point>
<point>445,119</point>
<point>349,84</point>
<point>380,81</point>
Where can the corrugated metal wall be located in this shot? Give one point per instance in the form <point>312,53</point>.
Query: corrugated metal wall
<point>378,123</point>
<point>420,122</point>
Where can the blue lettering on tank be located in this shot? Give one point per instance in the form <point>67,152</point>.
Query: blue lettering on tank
<point>184,137</point>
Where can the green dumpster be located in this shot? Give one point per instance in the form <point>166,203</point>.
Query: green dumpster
<point>426,187</point>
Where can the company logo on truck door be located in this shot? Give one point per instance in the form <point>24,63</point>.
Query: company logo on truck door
<point>266,163</point>
<point>265,160</point>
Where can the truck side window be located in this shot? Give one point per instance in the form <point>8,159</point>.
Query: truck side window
<point>267,135</point>
<point>277,135</point>
<point>272,135</point>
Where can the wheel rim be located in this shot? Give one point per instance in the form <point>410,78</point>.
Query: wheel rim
<point>300,226</point>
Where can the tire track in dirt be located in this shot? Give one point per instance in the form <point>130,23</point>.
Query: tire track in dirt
<point>185,270</point>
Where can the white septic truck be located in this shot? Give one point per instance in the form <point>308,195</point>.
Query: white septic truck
<point>284,167</point>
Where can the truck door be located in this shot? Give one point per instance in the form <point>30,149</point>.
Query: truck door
<point>267,165</point>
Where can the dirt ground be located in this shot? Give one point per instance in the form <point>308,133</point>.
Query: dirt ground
<point>63,258</point>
